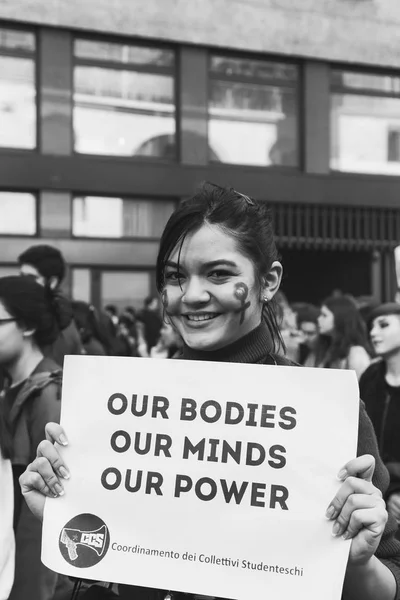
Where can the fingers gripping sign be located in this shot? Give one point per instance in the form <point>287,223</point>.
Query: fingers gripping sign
<point>358,510</point>
<point>43,477</point>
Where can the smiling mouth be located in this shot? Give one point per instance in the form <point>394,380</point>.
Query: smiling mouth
<point>200,317</point>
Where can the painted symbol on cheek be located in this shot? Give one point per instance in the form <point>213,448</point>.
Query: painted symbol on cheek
<point>241,293</point>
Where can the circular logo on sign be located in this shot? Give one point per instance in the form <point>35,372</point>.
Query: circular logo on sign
<point>84,541</point>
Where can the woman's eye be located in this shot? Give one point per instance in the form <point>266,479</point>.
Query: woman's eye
<point>219,274</point>
<point>173,276</point>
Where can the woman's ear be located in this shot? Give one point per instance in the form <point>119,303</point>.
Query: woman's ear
<point>272,281</point>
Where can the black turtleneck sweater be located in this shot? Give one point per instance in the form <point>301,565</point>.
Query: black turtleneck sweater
<point>256,348</point>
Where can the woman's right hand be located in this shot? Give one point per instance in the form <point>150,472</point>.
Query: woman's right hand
<point>43,477</point>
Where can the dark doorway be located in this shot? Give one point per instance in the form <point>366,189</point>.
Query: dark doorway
<point>312,275</point>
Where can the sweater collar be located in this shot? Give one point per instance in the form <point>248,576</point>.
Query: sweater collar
<point>252,348</point>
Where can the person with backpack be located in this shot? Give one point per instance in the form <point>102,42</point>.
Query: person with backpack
<point>30,319</point>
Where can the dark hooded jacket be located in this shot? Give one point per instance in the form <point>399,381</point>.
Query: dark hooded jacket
<point>68,340</point>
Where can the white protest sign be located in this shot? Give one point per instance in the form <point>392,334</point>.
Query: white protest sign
<point>203,477</point>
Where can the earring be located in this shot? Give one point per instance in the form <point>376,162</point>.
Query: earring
<point>266,299</point>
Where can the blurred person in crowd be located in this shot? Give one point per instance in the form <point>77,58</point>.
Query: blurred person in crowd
<point>343,340</point>
<point>89,327</point>
<point>30,317</point>
<point>7,539</point>
<point>380,390</point>
<point>46,265</point>
<point>169,343</point>
<point>307,322</point>
<point>130,339</point>
<point>131,310</point>
<point>288,327</point>
<point>151,319</point>
<point>112,311</point>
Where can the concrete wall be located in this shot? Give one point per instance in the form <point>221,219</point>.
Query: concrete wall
<point>359,31</point>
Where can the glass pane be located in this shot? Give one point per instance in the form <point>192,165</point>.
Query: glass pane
<point>366,81</point>
<point>17,103</point>
<point>13,39</point>
<point>253,124</point>
<point>81,285</point>
<point>123,113</point>
<point>135,55</point>
<point>96,216</point>
<point>253,69</point>
<point>17,213</point>
<point>124,288</point>
<point>362,138</point>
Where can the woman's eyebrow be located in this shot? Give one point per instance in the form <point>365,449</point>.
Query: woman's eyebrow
<point>216,263</point>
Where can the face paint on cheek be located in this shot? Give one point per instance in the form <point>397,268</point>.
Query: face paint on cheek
<point>241,292</point>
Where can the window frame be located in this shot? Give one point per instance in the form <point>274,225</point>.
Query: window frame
<point>124,238</point>
<point>298,86</point>
<point>26,54</point>
<point>131,67</point>
<point>35,195</point>
<point>364,92</point>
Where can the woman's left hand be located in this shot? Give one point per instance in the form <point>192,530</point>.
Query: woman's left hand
<point>358,510</point>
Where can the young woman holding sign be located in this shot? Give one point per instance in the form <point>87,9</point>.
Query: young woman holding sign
<point>217,273</point>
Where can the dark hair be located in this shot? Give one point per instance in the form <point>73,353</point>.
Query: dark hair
<point>34,307</point>
<point>88,323</point>
<point>246,220</point>
<point>307,314</point>
<point>349,329</point>
<point>46,259</point>
<point>111,308</point>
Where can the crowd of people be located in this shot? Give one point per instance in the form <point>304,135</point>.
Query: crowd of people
<point>218,276</point>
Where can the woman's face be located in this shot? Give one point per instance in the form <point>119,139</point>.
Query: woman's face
<point>216,300</point>
<point>385,334</point>
<point>326,321</point>
<point>11,337</point>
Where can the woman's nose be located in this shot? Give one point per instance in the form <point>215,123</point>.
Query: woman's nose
<point>195,292</point>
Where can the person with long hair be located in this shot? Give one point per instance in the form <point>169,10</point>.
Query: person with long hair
<point>29,320</point>
<point>380,390</point>
<point>343,342</point>
<point>217,273</point>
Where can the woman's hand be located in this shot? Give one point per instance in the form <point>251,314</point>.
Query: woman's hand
<point>44,475</point>
<point>358,509</point>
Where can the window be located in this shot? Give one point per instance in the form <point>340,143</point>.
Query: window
<point>81,285</point>
<point>394,145</point>
<point>253,112</point>
<point>17,213</point>
<point>17,89</point>
<point>365,121</point>
<point>124,100</point>
<point>100,217</point>
<point>124,288</point>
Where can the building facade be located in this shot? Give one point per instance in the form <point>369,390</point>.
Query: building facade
<point>111,112</point>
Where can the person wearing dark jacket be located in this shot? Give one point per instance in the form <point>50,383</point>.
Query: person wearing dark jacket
<point>152,322</point>
<point>29,320</point>
<point>217,272</point>
<point>46,265</point>
<point>380,390</point>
